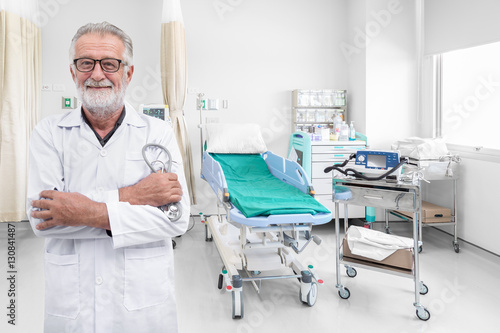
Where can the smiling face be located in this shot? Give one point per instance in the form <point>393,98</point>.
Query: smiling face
<point>102,94</point>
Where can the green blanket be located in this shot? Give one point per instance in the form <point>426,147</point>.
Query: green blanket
<point>256,192</point>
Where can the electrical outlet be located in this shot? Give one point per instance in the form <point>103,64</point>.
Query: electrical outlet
<point>213,104</point>
<point>211,120</point>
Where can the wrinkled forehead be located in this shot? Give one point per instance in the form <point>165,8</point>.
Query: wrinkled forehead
<point>98,46</point>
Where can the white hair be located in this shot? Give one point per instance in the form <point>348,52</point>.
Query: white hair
<point>104,28</point>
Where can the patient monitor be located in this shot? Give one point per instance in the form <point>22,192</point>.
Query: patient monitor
<point>376,162</point>
<point>159,111</point>
<point>372,165</point>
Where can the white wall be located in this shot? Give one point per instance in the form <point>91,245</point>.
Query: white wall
<point>353,47</point>
<point>381,50</point>
<point>391,92</point>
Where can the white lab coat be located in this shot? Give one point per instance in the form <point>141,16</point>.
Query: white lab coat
<point>97,283</point>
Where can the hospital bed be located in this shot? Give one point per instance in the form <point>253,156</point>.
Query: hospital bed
<point>268,213</point>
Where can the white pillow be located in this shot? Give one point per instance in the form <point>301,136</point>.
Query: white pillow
<point>234,139</point>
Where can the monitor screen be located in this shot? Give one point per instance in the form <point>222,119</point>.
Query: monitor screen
<point>376,161</point>
<point>156,112</point>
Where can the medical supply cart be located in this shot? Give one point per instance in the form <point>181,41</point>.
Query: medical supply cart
<point>317,107</point>
<point>387,195</point>
<point>313,110</point>
<point>445,169</point>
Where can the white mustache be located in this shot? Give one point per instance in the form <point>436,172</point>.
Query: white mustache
<point>93,83</point>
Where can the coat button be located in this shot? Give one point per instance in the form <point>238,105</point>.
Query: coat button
<point>103,152</point>
<point>98,280</point>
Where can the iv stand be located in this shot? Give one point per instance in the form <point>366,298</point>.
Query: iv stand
<point>199,106</point>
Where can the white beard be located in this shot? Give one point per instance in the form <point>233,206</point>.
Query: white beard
<point>101,103</point>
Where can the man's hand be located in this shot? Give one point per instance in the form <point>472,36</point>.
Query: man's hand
<point>155,190</point>
<point>69,209</point>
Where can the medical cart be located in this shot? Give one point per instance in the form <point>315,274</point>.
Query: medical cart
<point>314,111</point>
<point>434,170</point>
<point>396,196</point>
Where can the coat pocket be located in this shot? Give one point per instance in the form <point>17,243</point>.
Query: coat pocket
<point>135,168</point>
<point>62,285</point>
<point>146,282</point>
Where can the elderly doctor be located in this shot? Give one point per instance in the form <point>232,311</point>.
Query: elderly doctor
<point>108,251</point>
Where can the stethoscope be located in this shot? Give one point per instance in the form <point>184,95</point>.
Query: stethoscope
<point>173,209</point>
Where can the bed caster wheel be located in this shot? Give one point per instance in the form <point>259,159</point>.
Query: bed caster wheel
<point>351,272</point>
<point>456,247</point>
<point>237,304</point>
<point>423,289</point>
<point>423,314</point>
<point>312,295</point>
<point>344,293</point>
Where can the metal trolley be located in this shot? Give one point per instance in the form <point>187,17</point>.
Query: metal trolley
<point>446,168</point>
<point>404,196</point>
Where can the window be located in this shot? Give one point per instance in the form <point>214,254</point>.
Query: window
<point>469,85</point>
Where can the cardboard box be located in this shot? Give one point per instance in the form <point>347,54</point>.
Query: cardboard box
<point>399,260</point>
<point>431,213</point>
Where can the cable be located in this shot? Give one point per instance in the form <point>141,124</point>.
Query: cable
<point>336,166</point>
<point>191,217</point>
<point>357,174</point>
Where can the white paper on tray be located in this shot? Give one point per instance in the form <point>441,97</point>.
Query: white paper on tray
<point>375,244</point>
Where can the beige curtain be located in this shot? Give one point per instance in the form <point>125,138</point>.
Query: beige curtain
<point>173,78</point>
<point>20,89</point>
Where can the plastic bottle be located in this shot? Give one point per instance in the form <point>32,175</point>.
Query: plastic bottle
<point>352,132</point>
<point>344,132</point>
<point>369,215</point>
<point>337,123</point>
<point>325,133</point>
<point>332,135</point>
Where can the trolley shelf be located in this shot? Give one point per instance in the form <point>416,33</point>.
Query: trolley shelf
<point>390,196</point>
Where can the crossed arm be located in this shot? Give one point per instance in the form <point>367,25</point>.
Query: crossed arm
<point>75,209</point>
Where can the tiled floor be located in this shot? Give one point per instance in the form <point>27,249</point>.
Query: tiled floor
<point>463,290</point>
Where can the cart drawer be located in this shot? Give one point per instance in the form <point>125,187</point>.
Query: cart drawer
<point>336,149</point>
<point>373,197</point>
<point>318,169</point>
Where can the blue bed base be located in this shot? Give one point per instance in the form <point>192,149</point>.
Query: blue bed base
<point>285,170</point>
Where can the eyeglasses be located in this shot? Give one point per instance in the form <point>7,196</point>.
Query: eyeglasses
<point>108,65</point>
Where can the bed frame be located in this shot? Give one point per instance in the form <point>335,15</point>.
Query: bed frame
<point>253,249</point>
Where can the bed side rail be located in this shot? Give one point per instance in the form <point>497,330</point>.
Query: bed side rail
<point>288,171</point>
<point>212,172</point>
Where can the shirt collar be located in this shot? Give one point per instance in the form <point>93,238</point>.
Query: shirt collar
<point>74,118</point>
